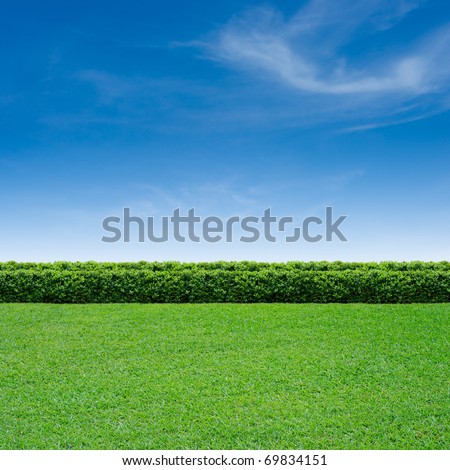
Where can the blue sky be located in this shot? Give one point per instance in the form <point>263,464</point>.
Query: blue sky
<point>230,108</point>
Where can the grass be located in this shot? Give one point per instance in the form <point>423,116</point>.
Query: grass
<point>231,376</point>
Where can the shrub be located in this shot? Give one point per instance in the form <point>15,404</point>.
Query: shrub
<point>237,282</point>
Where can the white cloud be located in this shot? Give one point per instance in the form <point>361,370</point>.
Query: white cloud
<point>307,53</point>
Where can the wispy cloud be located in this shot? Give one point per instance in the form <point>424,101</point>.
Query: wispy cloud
<point>340,18</point>
<point>110,87</point>
<point>307,53</point>
<point>218,195</point>
<point>136,102</point>
<point>331,63</point>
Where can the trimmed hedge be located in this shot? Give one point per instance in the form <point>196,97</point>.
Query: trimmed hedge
<point>229,266</point>
<point>236,282</point>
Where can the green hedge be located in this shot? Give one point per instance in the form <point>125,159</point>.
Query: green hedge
<point>239,282</point>
<point>229,266</point>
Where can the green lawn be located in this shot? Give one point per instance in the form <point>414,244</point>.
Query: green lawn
<point>224,376</point>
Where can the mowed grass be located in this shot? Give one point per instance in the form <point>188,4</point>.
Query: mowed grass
<point>224,376</point>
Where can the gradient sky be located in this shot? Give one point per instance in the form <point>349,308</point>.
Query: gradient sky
<point>228,107</point>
